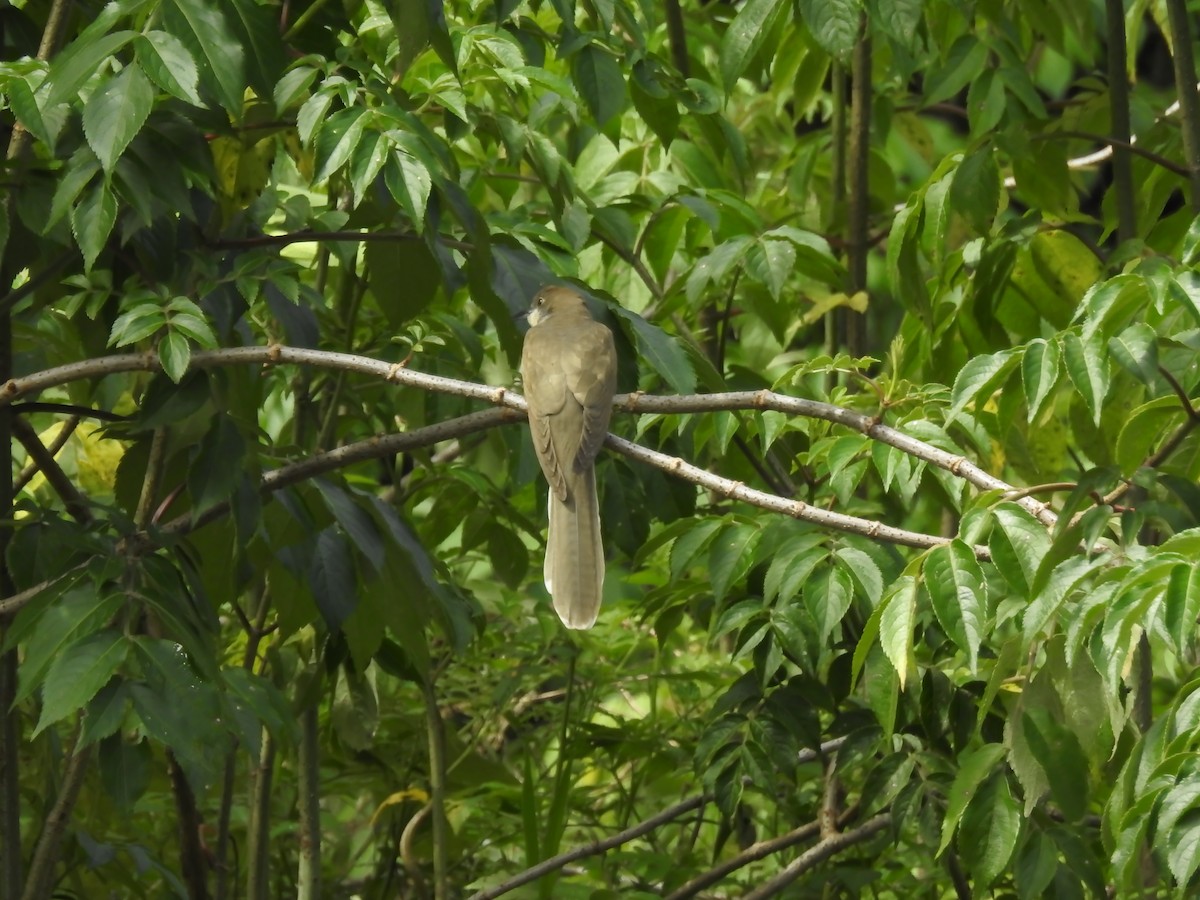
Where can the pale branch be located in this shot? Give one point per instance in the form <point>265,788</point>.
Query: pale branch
<point>797,509</point>
<point>815,855</point>
<point>753,853</point>
<point>395,373</point>
<point>622,837</point>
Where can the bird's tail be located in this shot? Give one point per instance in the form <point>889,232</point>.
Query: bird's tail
<point>574,569</point>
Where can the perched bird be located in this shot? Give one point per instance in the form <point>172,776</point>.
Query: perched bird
<point>569,369</point>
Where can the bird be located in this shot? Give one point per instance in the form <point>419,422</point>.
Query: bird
<point>569,373</point>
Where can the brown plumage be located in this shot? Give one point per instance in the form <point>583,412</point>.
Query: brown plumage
<point>569,369</point>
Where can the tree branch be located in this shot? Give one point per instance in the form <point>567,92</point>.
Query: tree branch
<point>818,854</point>
<point>396,373</point>
<point>622,837</point>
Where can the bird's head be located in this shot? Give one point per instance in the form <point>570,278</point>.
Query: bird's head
<point>556,301</point>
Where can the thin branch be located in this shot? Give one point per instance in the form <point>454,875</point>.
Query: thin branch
<point>753,853</point>
<point>1111,143</point>
<point>677,35</point>
<point>818,854</point>
<point>76,412</point>
<point>1184,399</point>
<point>437,787</point>
<point>45,857</point>
<point>1178,19</point>
<point>312,237</point>
<point>60,441</point>
<point>596,847</point>
<point>308,801</point>
<point>1118,104</point>
<point>76,504</point>
<point>859,154</point>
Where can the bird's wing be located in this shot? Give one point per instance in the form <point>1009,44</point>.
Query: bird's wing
<point>592,379</point>
<point>547,395</point>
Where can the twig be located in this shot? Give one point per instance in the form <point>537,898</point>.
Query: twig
<point>818,854</point>
<point>1118,104</point>
<point>753,853</point>
<point>60,440</point>
<point>437,788</point>
<point>596,847</point>
<point>75,503</point>
<point>1111,144</point>
<point>312,237</point>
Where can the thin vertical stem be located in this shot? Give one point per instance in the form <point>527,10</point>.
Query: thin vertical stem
<point>45,856</point>
<point>1185,86</point>
<point>258,840</point>
<point>308,878</point>
<point>859,200</point>
<point>835,326</point>
<point>1118,100</point>
<point>437,788</point>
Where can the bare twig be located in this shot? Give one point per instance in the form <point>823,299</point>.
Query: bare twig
<point>622,837</point>
<point>818,854</point>
<point>1118,104</point>
<point>45,857</point>
<point>753,853</point>
<point>1178,19</point>
<point>76,504</point>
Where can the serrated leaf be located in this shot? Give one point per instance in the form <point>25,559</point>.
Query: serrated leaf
<point>1145,429</point>
<point>76,676</point>
<point>989,831</point>
<point>975,190</point>
<point>1040,366</point>
<point>80,613</point>
<point>978,379</point>
<point>203,27</point>
<point>771,262</point>
<point>409,183</point>
<point>1182,607</point>
<point>662,351</point>
<point>829,599</point>
<point>81,60</point>
<point>1087,367</point>
<point>899,612</point>
<point>1018,545</point>
<point>1136,350</point>
<point>833,23</point>
<point>331,576</point>
<point>730,557</point>
<point>973,768</point>
<point>167,62</point>
<point>864,570</point>
<point>337,139</point>
<point>217,468</point>
<point>1058,752</point>
<point>174,354</point>
<point>92,220</point>
<point>600,81</point>
<point>745,36</point>
<point>959,594</point>
<point>687,547</point>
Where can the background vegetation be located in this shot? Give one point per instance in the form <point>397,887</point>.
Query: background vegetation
<point>902,519</point>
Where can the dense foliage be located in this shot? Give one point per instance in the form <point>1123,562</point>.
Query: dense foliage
<point>903,521</point>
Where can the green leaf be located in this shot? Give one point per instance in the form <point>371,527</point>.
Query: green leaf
<point>833,23</point>
<point>217,468</point>
<point>864,570</point>
<point>829,599</point>
<point>92,220</point>
<point>137,324</point>
<point>1136,350</point>
<point>1182,607</point>
<point>1185,291</point>
<point>167,62</point>
<point>1087,366</point>
<point>600,81</point>
<point>978,379</point>
<point>1058,752</point>
<point>730,557</point>
<point>337,139</point>
<point>409,183</point>
<point>959,594</point>
<point>662,351</point>
<point>77,615</point>
<point>973,768</point>
<point>744,38</point>
<point>27,111</point>
<point>896,624</point>
<point>1018,545</point>
<point>76,676</point>
<point>331,576</point>
<point>989,831</point>
<point>771,262</point>
<point>1144,429</point>
<point>125,768</point>
<point>174,354</point>
<point>975,190</point>
<point>203,27</point>
<point>1040,366</point>
<point>80,61</point>
<point>962,65</point>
